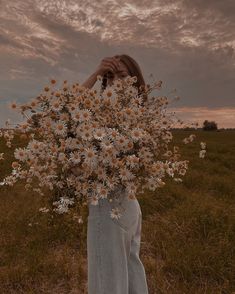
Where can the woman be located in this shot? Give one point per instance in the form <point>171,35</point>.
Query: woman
<point>113,245</point>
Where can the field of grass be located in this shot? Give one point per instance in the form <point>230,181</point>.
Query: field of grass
<point>188,231</point>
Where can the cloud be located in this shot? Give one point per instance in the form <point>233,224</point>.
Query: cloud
<point>222,116</point>
<point>190,45</point>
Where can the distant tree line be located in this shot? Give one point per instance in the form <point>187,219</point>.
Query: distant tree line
<point>210,126</point>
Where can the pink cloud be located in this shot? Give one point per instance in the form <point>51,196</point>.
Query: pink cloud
<point>224,117</point>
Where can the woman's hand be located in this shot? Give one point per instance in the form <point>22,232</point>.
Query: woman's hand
<point>108,64</point>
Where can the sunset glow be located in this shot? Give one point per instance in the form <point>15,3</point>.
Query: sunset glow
<point>189,45</point>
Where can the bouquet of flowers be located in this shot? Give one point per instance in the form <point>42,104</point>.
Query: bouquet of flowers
<point>83,144</point>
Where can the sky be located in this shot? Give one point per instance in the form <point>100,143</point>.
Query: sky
<point>188,44</point>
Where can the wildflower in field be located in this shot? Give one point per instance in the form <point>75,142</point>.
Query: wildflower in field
<point>203,145</point>
<point>202,153</point>
<point>182,172</point>
<point>1,156</point>
<point>177,179</point>
<point>167,136</point>
<point>78,218</point>
<point>62,204</point>
<point>43,209</point>
<point>192,137</point>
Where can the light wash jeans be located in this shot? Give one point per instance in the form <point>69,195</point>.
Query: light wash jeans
<point>113,246</point>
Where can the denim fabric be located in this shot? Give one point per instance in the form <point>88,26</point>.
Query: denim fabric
<point>113,246</point>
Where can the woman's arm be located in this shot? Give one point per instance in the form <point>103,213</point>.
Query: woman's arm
<point>89,83</point>
<point>106,64</point>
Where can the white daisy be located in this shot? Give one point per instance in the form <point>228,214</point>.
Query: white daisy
<point>170,172</point>
<point>131,187</point>
<point>75,157</point>
<point>121,141</point>
<point>118,85</point>
<point>113,133</point>
<point>85,115</point>
<point>191,137</point>
<point>99,133</point>
<point>60,128</point>
<point>185,140</point>
<point>34,145</point>
<point>109,93</point>
<point>76,114</point>
<point>94,200</point>
<point>86,134</point>
<point>202,153</point>
<point>178,180</point>
<point>21,154</point>
<point>132,91</point>
<point>56,105</point>
<point>125,174</point>
<point>136,134</point>
<point>102,190</point>
<point>90,154</point>
<point>115,213</point>
<point>203,145</point>
<point>106,144</point>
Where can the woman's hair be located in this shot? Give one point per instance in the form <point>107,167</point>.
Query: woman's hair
<point>133,69</point>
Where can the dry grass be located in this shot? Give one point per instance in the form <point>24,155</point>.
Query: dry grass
<point>188,231</point>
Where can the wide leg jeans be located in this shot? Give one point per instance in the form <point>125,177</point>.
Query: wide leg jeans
<point>113,246</point>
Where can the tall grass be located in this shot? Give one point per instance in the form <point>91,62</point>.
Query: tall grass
<point>188,230</point>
